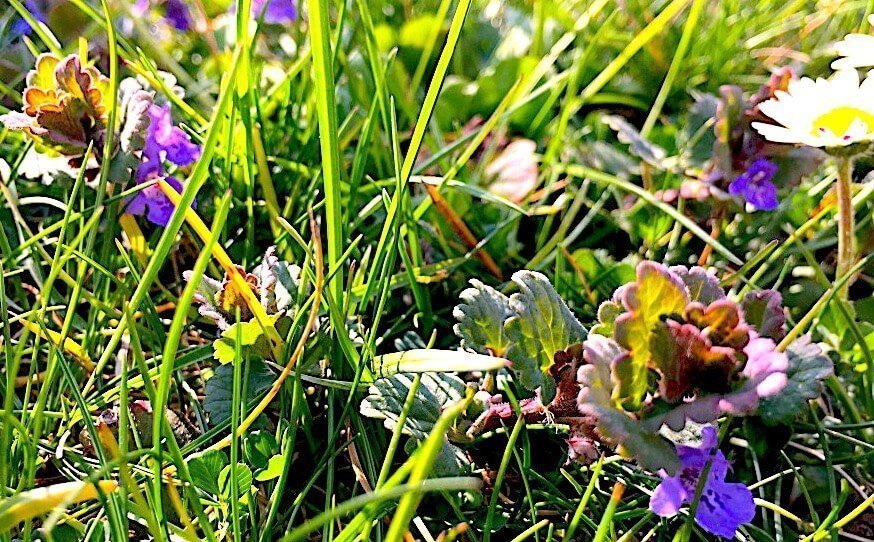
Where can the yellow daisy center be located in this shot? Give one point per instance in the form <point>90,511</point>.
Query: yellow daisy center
<point>838,120</point>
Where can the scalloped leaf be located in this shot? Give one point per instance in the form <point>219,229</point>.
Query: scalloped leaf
<point>702,285</point>
<point>633,437</point>
<point>764,311</point>
<point>808,367</point>
<point>542,325</point>
<point>481,316</point>
<point>387,395</point>
<point>205,469</point>
<point>656,293</point>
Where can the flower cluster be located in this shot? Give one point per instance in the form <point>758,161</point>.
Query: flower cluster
<point>745,162</point>
<point>164,142</point>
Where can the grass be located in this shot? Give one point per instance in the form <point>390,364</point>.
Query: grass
<point>370,125</point>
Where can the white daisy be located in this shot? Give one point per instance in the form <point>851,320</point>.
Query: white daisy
<point>833,112</point>
<point>857,51</point>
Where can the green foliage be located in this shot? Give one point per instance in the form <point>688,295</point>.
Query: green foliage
<point>205,470</point>
<point>387,396</point>
<point>808,367</point>
<point>651,450</point>
<point>541,325</point>
<point>481,316</point>
<point>219,388</point>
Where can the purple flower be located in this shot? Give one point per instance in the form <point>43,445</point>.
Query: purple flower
<point>21,27</point>
<point>275,11</point>
<point>153,203</point>
<point>175,12</point>
<point>164,141</point>
<point>755,185</point>
<point>723,506</point>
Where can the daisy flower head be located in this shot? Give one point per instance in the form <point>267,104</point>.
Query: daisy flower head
<point>827,113</point>
<point>855,50</point>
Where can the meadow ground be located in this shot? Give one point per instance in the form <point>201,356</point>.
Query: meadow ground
<point>436,270</point>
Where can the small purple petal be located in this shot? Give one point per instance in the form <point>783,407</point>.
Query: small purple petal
<point>755,185</point>
<point>152,203</point>
<point>668,497</point>
<point>275,11</point>
<point>21,27</point>
<point>176,13</point>
<point>164,136</point>
<point>724,507</point>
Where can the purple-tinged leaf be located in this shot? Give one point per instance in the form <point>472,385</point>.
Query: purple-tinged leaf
<point>764,311</point>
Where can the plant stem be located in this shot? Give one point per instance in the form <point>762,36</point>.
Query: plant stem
<point>846,221</point>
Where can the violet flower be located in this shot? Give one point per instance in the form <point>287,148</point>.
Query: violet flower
<point>723,506</point>
<point>755,185</point>
<point>164,141</point>
<point>176,12</point>
<point>275,11</point>
<point>21,27</point>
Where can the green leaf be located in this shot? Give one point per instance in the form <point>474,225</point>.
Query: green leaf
<point>260,446</point>
<point>808,366</point>
<point>219,389</point>
<point>481,316</point>
<point>387,395</point>
<point>608,312</point>
<point>205,469</point>
<point>542,325</point>
<point>249,334</point>
<point>244,481</point>
<point>273,469</point>
<point>450,461</point>
<point>657,292</point>
<point>424,360</point>
<point>633,437</point>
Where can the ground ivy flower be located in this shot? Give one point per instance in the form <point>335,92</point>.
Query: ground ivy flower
<point>152,203</point>
<point>755,185</point>
<point>20,27</point>
<point>164,141</point>
<point>176,12</point>
<point>828,113</point>
<point>723,506</point>
<point>274,11</point>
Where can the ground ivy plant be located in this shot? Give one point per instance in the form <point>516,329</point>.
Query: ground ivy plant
<point>668,349</point>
